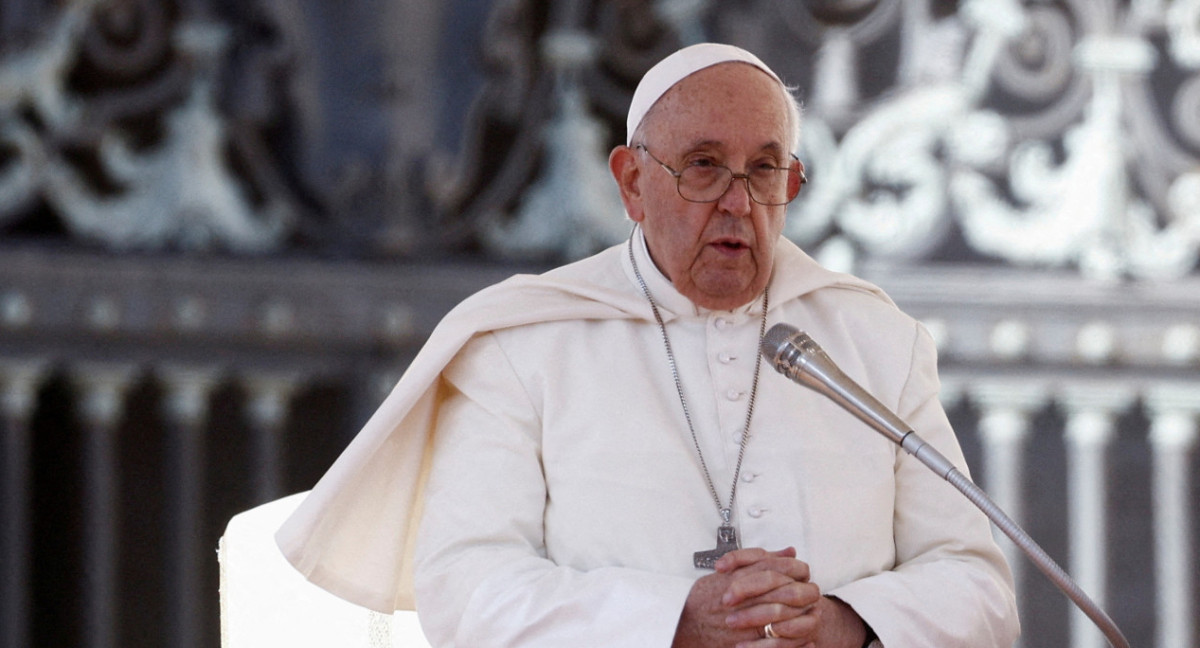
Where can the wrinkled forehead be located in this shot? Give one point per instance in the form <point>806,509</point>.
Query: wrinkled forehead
<point>675,68</point>
<point>726,107</point>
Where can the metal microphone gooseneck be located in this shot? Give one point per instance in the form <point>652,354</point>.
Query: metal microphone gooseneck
<point>794,354</point>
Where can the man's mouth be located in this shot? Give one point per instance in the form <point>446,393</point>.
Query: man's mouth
<point>729,245</point>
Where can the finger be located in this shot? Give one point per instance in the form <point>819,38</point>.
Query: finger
<point>796,600</point>
<point>752,585</point>
<point>757,616</point>
<point>796,632</point>
<point>758,560</point>
<point>755,585</point>
<point>743,557</point>
<point>795,594</point>
<point>805,627</point>
<point>790,567</point>
<point>748,585</point>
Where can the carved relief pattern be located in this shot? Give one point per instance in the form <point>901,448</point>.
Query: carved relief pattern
<point>494,161</point>
<point>110,119</point>
<point>530,179</point>
<point>1044,133</point>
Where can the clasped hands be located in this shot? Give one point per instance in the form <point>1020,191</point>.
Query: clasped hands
<point>752,588</point>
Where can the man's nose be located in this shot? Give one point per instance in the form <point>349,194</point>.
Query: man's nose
<point>736,199</point>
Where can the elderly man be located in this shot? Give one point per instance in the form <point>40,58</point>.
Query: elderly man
<point>596,458</point>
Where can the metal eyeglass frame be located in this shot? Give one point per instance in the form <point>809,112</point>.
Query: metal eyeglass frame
<point>678,175</point>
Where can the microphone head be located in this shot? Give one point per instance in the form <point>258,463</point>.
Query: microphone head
<point>794,354</point>
<point>777,339</point>
<point>797,356</point>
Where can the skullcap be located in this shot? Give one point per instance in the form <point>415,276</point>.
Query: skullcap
<point>673,69</point>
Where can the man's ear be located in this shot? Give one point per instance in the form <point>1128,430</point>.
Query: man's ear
<point>623,165</point>
<point>797,179</point>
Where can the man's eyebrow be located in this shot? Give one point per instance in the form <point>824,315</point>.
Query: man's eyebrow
<point>698,145</point>
<point>774,147</point>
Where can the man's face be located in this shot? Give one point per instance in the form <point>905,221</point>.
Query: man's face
<point>718,254</point>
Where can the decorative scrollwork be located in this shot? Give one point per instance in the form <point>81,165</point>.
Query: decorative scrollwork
<point>1060,140</point>
<point>112,121</point>
<point>1062,133</point>
<point>498,148</point>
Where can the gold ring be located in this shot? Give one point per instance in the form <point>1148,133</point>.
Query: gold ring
<point>769,632</point>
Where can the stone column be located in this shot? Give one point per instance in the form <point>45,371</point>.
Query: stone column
<point>1091,424</point>
<point>1174,411</point>
<point>102,398</point>
<point>186,406</point>
<point>269,396</point>
<point>18,395</point>
<point>1004,426</point>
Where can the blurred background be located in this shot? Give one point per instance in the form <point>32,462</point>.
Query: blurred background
<point>226,226</point>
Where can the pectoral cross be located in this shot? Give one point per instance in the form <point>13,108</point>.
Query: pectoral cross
<point>727,541</point>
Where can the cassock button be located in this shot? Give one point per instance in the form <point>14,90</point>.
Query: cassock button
<point>721,323</point>
<point>734,395</point>
<point>725,357</point>
<point>755,512</point>
<point>749,476</point>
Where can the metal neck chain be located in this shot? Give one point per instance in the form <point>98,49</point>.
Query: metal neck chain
<point>726,511</point>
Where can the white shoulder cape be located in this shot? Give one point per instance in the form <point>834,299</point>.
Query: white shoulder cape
<point>355,532</point>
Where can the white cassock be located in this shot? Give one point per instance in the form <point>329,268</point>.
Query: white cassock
<point>564,497</point>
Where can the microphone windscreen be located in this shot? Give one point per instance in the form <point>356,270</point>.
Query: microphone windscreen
<point>777,339</point>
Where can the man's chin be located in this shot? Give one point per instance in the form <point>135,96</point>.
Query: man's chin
<point>722,296</point>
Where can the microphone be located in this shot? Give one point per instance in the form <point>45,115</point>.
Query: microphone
<point>794,354</point>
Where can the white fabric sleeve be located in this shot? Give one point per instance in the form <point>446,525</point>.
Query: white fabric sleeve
<point>950,586</point>
<point>482,573</point>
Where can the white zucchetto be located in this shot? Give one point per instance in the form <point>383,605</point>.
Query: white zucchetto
<point>673,69</point>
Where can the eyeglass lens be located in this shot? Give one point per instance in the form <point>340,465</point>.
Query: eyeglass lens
<point>768,185</point>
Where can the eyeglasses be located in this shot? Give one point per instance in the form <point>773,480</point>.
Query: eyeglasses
<point>707,182</point>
